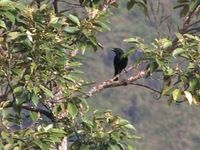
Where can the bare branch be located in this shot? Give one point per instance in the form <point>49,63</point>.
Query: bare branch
<point>147,87</point>
<point>185,27</point>
<point>55,5</point>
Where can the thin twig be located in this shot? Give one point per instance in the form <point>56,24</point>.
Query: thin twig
<point>185,27</point>
<point>146,86</point>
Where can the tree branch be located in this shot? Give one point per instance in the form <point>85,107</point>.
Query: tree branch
<point>110,83</point>
<point>55,5</point>
<point>185,27</point>
<point>147,87</point>
<point>48,114</point>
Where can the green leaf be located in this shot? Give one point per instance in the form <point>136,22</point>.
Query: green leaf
<point>125,123</point>
<point>166,43</point>
<point>130,4</point>
<point>74,19</point>
<point>94,41</point>
<point>33,67</point>
<point>167,91</point>
<point>143,7</point>
<point>70,78</point>
<point>178,51</point>
<point>194,83</point>
<point>190,36</point>
<point>14,35</point>
<point>72,109</point>
<point>2,24</point>
<point>6,104</point>
<point>194,5</point>
<point>113,147</point>
<point>10,16</point>
<point>18,89</point>
<point>103,25</point>
<point>33,115</point>
<point>130,126</point>
<point>35,99</point>
<point>48,127</point>
<point>168,71</point>
<point>47,91</point>
<point>85,104</point>
<point>41,144</point>
<point>4,134</point>
<point>179,36</point>
<point>176,94</point>
<point>71,29</point>
<point>54,20</point>
<point>131,40</point>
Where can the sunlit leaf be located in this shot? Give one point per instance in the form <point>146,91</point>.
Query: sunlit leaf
<point>2,24</point>
<point>130,126</point>
<point>113,147</point>
<point>47,91</point>
<point>166,43</point>
<point>71,29</point>
<point>49,127</point>
<point>33,115</point>
<point>178,51</point>
<point>176,94</point>
<point>167,90</point>
<point>188,95</point>
<point>35,99</point>
<point>29,35</point>
<point>54,20</point>
<point>72,109</point>
<point>10,16</point>
<point>179,36</point>
<point>74,19</point>
<point>18,89</point>
<point>103,25</point>
<point>14,35</point>
<point>131,40</point>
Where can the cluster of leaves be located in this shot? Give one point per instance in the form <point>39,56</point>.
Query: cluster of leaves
<point>177,60</point>
<point>104,131</point>
<point>140,3</point>
<point>187,6</point>
<point>30,138</point>
<point>41,79</point>
<point>180,69</point>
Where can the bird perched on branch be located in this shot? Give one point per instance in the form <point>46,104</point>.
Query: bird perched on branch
<point>120,61</point>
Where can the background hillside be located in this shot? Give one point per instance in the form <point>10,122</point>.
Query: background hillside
<point>161,126</point>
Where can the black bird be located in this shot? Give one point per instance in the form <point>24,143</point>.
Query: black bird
<point>120,61</point>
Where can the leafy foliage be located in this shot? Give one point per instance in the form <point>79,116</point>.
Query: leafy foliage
<point>181,79</point>
<point>41,79</point>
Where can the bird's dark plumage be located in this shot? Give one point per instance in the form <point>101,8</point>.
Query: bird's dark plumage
<point>120,61</point>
